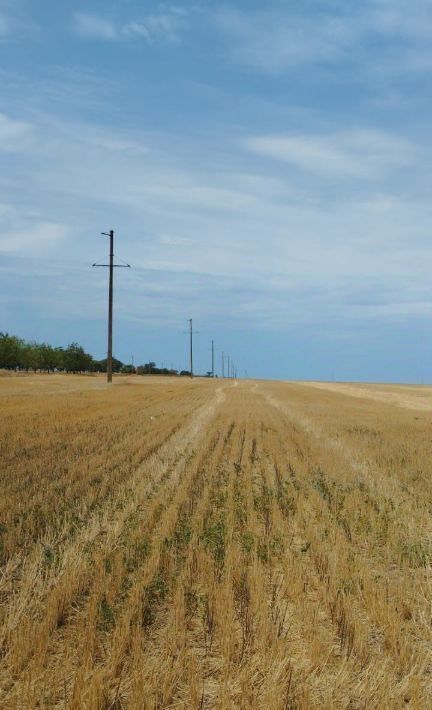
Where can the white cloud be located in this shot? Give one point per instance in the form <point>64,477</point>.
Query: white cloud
<point>4,25</point>
<point>184,189</point>
<point>393,18</point>
<point>16,20</point>
<point>94,26</point>
<point>35,238</point>
<point>14,134</point>
<point>94,136</point>
<point>227,217</point>
<point>113,143</point>
<point>363,153</point>
<point>274,40</point>
<point>5,210</point>
<point>175,241</point>
<point>162,27</point>
<point>165,26</point>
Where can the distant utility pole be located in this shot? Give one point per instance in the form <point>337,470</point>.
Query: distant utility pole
<point>191,333</point>
<point>223,364</point>
<point>228,366</point>
<point>212,370</point>
<point>191,346</point>
<point>111,267</point>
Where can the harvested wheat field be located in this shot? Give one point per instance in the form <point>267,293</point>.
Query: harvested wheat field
<point>168,543</point>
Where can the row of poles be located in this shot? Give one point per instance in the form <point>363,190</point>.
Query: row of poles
<point>231,368</point>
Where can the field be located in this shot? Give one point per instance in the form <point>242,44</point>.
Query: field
<point>168,543</point>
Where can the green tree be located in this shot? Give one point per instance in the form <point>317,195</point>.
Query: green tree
<point>101,365</point>
<point>75,359</point>
<point>31,359</point>
<point>11,351</point>
<point>127,369</point>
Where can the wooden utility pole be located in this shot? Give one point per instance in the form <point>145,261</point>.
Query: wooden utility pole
<point>191,346</point>
<point>111,267</point>
<point>110,306</point>
<point>223,364</point>
<point>212,358</point>
<point>191,333</point>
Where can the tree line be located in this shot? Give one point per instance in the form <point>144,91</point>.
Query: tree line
<point>19,354</point>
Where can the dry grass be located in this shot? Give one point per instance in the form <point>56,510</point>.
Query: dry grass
<point>178,544</point>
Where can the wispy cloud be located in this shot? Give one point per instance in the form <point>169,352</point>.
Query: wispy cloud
<point>94,26</point>
<point>278,38</point>
<point>390,17</point>
<point>278,258</point>
<point>273,40</point>
<point>4,25</point>
<point>362,153</point>
<point>33,239</point>
<point>14,134</point>
<point>111,141</point>
<point>16,21</point>
<point>163,27</point>
<point>170,240</point>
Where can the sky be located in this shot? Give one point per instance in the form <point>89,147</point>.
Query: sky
<point>266,168</point>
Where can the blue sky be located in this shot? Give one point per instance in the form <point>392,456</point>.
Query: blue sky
<point>266,167</point>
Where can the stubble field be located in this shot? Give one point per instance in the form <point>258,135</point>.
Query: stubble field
<point>168,543</point>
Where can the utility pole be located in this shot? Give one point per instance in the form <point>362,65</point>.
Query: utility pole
<point>228,365</point>
<point>191,346</point>
<point>223,364</point>
<point>111,267</point>
<point>212,358</point>
<point>191,333</point>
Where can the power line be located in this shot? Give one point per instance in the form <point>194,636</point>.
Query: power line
<point>111,267</point>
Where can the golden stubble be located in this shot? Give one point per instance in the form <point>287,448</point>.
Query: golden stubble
<point>168,543</point>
